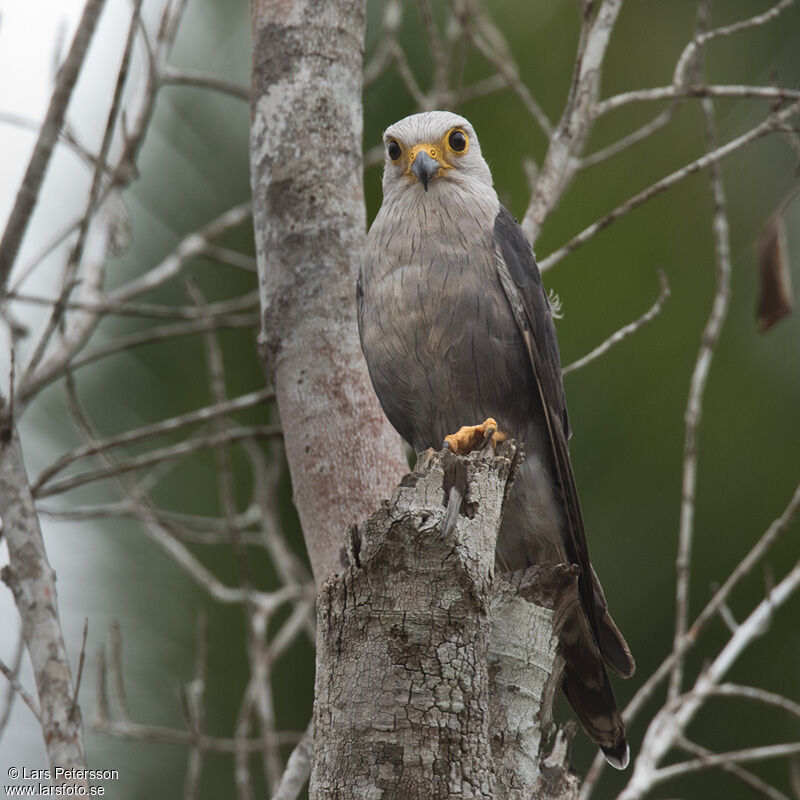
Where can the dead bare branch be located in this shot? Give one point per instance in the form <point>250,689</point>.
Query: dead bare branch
<point>572,132</point>
<point>748,778</point>
<point>774,93</point>
<point>671,721</point>
<point>770,125</point>
<point>298,768</point>
<point>625,331</point>
<point>694,406</point>
<point>13,682</point>
<point>32,582</point>
<point>151,431</point>
<point>213,440</point>
<point>187,77</point>
<point>48,136</point>
<point>733,757</point>
<point>191,246</point>
<point>16,688</point>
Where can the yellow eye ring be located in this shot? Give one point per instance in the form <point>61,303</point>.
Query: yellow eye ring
<point>393,150</point>
<point>458,141</point>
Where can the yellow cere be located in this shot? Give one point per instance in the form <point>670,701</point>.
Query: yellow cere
<point>441,151</point>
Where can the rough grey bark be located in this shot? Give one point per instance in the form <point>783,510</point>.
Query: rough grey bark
<point>426,685</point>
<point>308,205</point>
<point>32,582</point>
<point>526,668</point>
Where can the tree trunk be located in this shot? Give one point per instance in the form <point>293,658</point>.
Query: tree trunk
<point>310,221</point>
<point>433,679</point>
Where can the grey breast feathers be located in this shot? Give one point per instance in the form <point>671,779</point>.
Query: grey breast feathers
<point>441,345</point>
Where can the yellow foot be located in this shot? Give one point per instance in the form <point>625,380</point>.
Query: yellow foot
<point>471,436</point>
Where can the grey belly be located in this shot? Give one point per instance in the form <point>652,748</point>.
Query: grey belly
<point>439,361</point>
<point>441,356</point>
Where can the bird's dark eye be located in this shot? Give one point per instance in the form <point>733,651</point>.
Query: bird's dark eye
<point>394,150</point>
<point>458,141</point>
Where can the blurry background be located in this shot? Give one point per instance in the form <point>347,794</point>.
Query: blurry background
<point>626,408</point>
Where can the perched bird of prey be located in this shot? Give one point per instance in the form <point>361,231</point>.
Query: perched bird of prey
<point>456,328</point>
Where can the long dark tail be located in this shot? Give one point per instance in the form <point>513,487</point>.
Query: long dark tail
<point>586,683</point>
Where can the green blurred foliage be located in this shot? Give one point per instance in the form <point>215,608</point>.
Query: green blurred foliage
<point>626,409</point>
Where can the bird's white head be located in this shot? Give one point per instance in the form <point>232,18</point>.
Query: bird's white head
<point>430,150</point>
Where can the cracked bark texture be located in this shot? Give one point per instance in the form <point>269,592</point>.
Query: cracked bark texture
<point>526,670</point>
<point>427,686</point>
<point>310,222</point>
<point>33,584</point>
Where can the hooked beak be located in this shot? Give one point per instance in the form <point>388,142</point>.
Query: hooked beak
<point>424,168</point>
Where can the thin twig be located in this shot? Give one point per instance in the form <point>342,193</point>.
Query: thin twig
<point>625,331</point>
<point>194,694</point>
<point>117,675</point>
<point>380,59</point>
<point>95,272</point>
<point>475,21</point>
<point>770,125</point>
<point>81,661</point>
<point>9,118</point>
<point>694,405</point>
<point>672,720</point>
<point>774,93</point>
<point>301,616</point>
<point>11,692</point>
<point>195,528</point>
<point>759,695</point>
<point>639,135</point>
<point>180,450</point>
<point>702,38</point>
<point>767,539</point>
<point>298,768</point>
<point>151,310</point>
<point>748,778</point>
<point>25,271</point>
<point>151,431</point>
<point>727,617</point>
<point>439,53</point>
<point>191,246</point>
<point>743,568</point>
<point>39,161</point>
<point>158,333</point>
<point>732,757</point>
<point>257,620</point>
<point>160,734</point>
<point>241,755</point>
<point>187,77</point>
<point>15,686</point>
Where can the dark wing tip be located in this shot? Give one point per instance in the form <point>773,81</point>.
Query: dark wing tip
<point>616,652</point>
<point>618,756</point>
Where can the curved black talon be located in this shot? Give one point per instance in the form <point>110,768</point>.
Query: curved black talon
<point>487,437</point>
